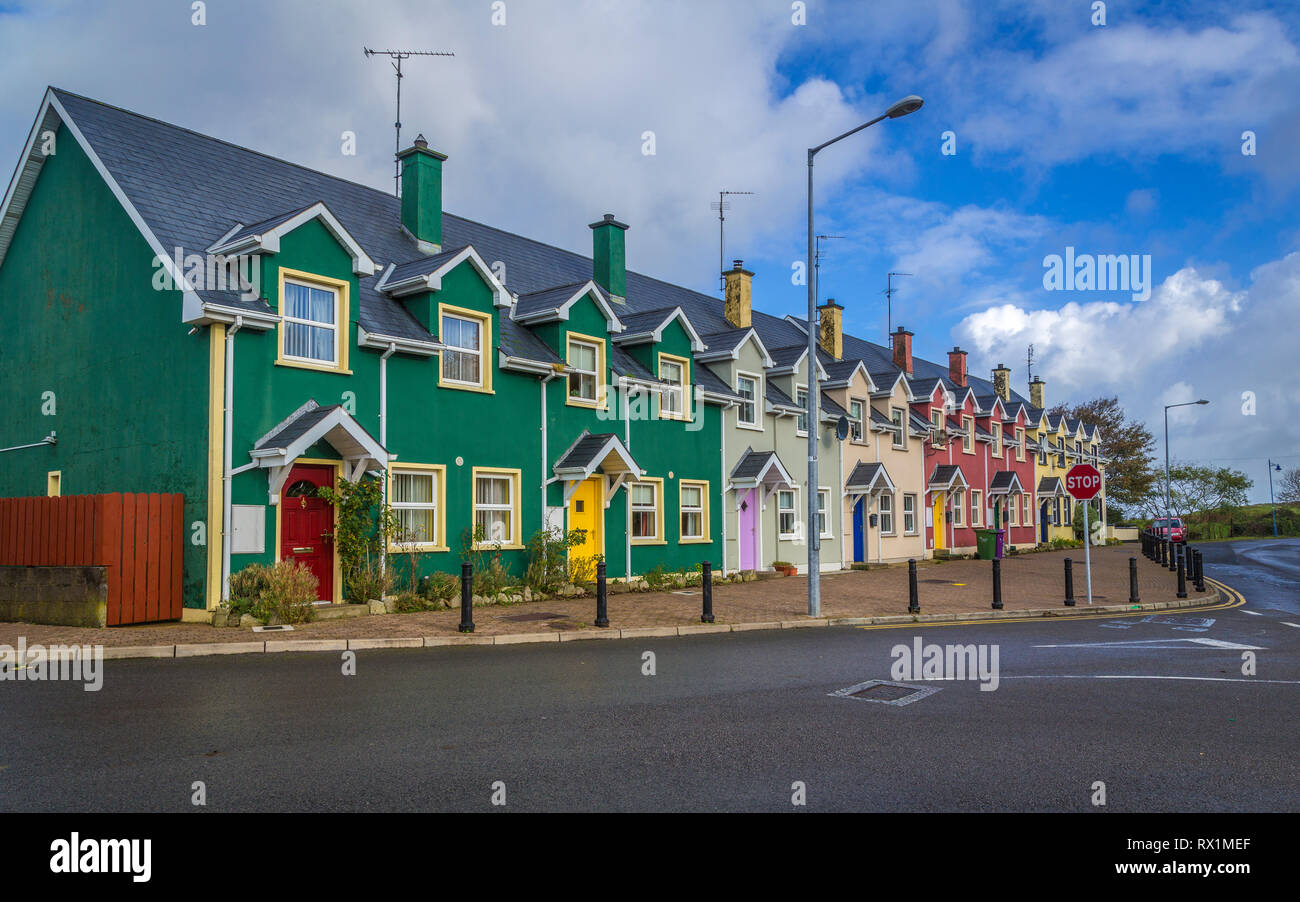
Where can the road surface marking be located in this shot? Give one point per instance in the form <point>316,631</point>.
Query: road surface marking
<point>1156,643</point>
<point>1132,676</point>
<point>1253,613</point>
<point>1289,623</point>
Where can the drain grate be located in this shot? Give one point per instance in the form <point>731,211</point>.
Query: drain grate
<point>543,615</point>
<point>885,692</point>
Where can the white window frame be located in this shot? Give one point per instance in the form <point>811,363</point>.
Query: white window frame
<point>824,512</point>
<point>1020,443</point>
<point>594,374</point>
<point>1013,512</point>
<point>959,508</point>
<point>803,407</point>
<point>756,422</point>
<point>976,507</point>
<point>885,512</point>
<point>968,440</point>
<point>909,500</point>
<point>899,428</point>
<point>793,511</point>
<point>511,507</point>
<point>437,474</point>
<point>858,423</point>
<point>449,349</point>
<point>1026,503</point>
<point>334,327</point>
<point>996,429</point>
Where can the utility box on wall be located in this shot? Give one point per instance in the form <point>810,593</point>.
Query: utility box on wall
<point>248,528</point>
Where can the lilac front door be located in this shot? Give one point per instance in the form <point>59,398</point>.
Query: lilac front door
<point>748,534</point>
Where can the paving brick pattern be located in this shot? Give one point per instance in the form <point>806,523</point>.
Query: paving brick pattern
<point>1029,582</point>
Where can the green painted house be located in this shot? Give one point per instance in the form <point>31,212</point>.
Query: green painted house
<point>190,316</point>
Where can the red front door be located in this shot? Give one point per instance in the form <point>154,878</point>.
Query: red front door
<point>305,524</point>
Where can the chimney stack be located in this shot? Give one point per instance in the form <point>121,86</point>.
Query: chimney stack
<point>831,332</point>
<point>1002,382</point>
<point>422,194</point>
<point>1038,393</point>
<point>609,255</point>
<point>902,344</point>
<point>957,367</point>
<point>737,295</point>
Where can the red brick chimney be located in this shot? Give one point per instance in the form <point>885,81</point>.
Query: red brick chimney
<point>957,367</point>
<point>902,343</point>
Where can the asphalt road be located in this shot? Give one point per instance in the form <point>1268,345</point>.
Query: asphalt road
<point>727,723</point>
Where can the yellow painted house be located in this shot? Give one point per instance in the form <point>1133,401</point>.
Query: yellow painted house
<point>1061,443</point>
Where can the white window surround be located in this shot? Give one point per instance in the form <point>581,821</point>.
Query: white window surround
<point>959,508</point>
<point>885,508</point>
<point>787,513</point>
<point>858,420</point>
<point>898,417</point>
<point>976,507</point>
<point>801,401</point>
<point>823,512</point>
<point>909,515</point>
<point>753,403</point>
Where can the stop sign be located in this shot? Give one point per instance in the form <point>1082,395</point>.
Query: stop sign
<point>1083,481</point>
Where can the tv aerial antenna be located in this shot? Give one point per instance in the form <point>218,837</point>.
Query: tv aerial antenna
<point>1029,363</point>
<point>722,205</point>
<point>817,265</point>
<point>889,301</point>
<point>396,57</point>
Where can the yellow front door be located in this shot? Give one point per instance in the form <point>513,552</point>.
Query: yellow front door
<point>940,527</point>
<point>586,510</point>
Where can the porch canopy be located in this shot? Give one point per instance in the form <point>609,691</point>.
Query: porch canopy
<point>868,479</point>
<point>1051,487</point>
<point>945,478</point>
<point>276,451</point>
<point>1006,482</point>
<point>760,470</point>
<point>596,452</point>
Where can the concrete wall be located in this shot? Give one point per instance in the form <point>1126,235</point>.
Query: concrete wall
<point>63,596</point>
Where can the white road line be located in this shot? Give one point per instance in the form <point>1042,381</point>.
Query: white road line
<point>1253,613</point>
<point>1157,643</point>
<point>1129,676</point>
<point>1289,623</point>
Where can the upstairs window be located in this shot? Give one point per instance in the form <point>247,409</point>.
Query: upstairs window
<point>856,419</point>
<point>801,399</point>
<point>997,439</point>
<point>310,331</point>
<point>1020,447</point>
<point>747,388</point>
<point>462,359</point>
<point>896,418</point>
<point>672,370</point>
<point>584,360</point>
<point>968,440</point>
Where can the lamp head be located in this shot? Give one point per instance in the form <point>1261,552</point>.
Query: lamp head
<point>909,104</point>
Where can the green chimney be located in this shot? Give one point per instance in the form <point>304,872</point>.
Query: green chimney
<point>422,193</point>
<point>610,255</point>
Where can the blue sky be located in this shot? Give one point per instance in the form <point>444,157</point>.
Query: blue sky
<point>1123,138</point>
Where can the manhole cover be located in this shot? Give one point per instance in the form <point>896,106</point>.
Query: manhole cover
<point>561,625</point>
<point>526,618</point>
<point>885,692</point>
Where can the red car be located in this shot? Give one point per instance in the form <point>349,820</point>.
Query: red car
<point>1171,529</point>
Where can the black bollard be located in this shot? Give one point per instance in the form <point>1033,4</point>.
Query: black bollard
<point>1182,578</point>
<point>466,598</point>
<point>707,583</point>
<point>1173,557</point>
<point>913,599</point>
<point>997,584</point>
<point>1069,583</point>
<point>1199,566</point>
<point>602,615</point>
<point>1133,581</point>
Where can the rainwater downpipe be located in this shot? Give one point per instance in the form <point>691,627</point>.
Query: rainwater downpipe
<point>227,445</point>
<point>383,441</point>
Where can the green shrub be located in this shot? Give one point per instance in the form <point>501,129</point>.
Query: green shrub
<point>656,578</point>
<point>290,592</point>
<point>439,587</point>
<point>246,588</point>
<point>549,566</point>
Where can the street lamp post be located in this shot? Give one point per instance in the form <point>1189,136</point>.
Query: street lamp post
<point>1169,407</point>
<point>1271,503</point>
<point>909,104</point>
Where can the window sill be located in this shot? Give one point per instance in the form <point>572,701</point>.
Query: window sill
<point>462,387</point>
<point>649,542</point>
<point>582,402</point>
<point>752,427</point>
<point>318,367</point>
<point>418,549</point>
<point>491,548</point>
<point>694,541</point>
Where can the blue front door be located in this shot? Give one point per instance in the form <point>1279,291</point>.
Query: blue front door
<point>1043,519</point>
<point>858,532</point>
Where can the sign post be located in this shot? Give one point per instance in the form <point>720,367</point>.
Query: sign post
<point>1083,482</point>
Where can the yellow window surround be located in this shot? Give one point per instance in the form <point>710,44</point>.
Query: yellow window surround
<point>515,479</point>
<point>440,514</point>
<point>685,364</point>
<point>703,486</point>
<point>486,343</point>
<point>659,539</point>
<point>601,400</point>
<point>342,321</point>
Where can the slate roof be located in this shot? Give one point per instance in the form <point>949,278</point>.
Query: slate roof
<point>1004,481</point>
<point>712,383</point>
<point>421,267</point>
<point>865,473</point>
<point>775,396</point>
<point>295,426</point>
<point>646,321</point>
<point>726,340</point>
<point>1050,485</point>
<point>880,419</point>
<point>191,189</point>
<point>944,474</point>
<point>518,341</point>
<point>259,228</point>
<point>585,450</point>
<point>624,364</point>
<point>832,408</point>
<point>839,370</point>
<point>752,463</point>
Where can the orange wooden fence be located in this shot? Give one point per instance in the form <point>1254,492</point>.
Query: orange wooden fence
<point>138,537</point>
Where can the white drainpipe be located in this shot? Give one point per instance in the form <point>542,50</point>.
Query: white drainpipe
<point>723,512</point>
<point>226,455</point>
<point>545,481</point>
<point>627,443</point>
<point>383,440</point>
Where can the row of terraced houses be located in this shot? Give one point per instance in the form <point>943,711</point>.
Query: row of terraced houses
<point>494,383</point>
